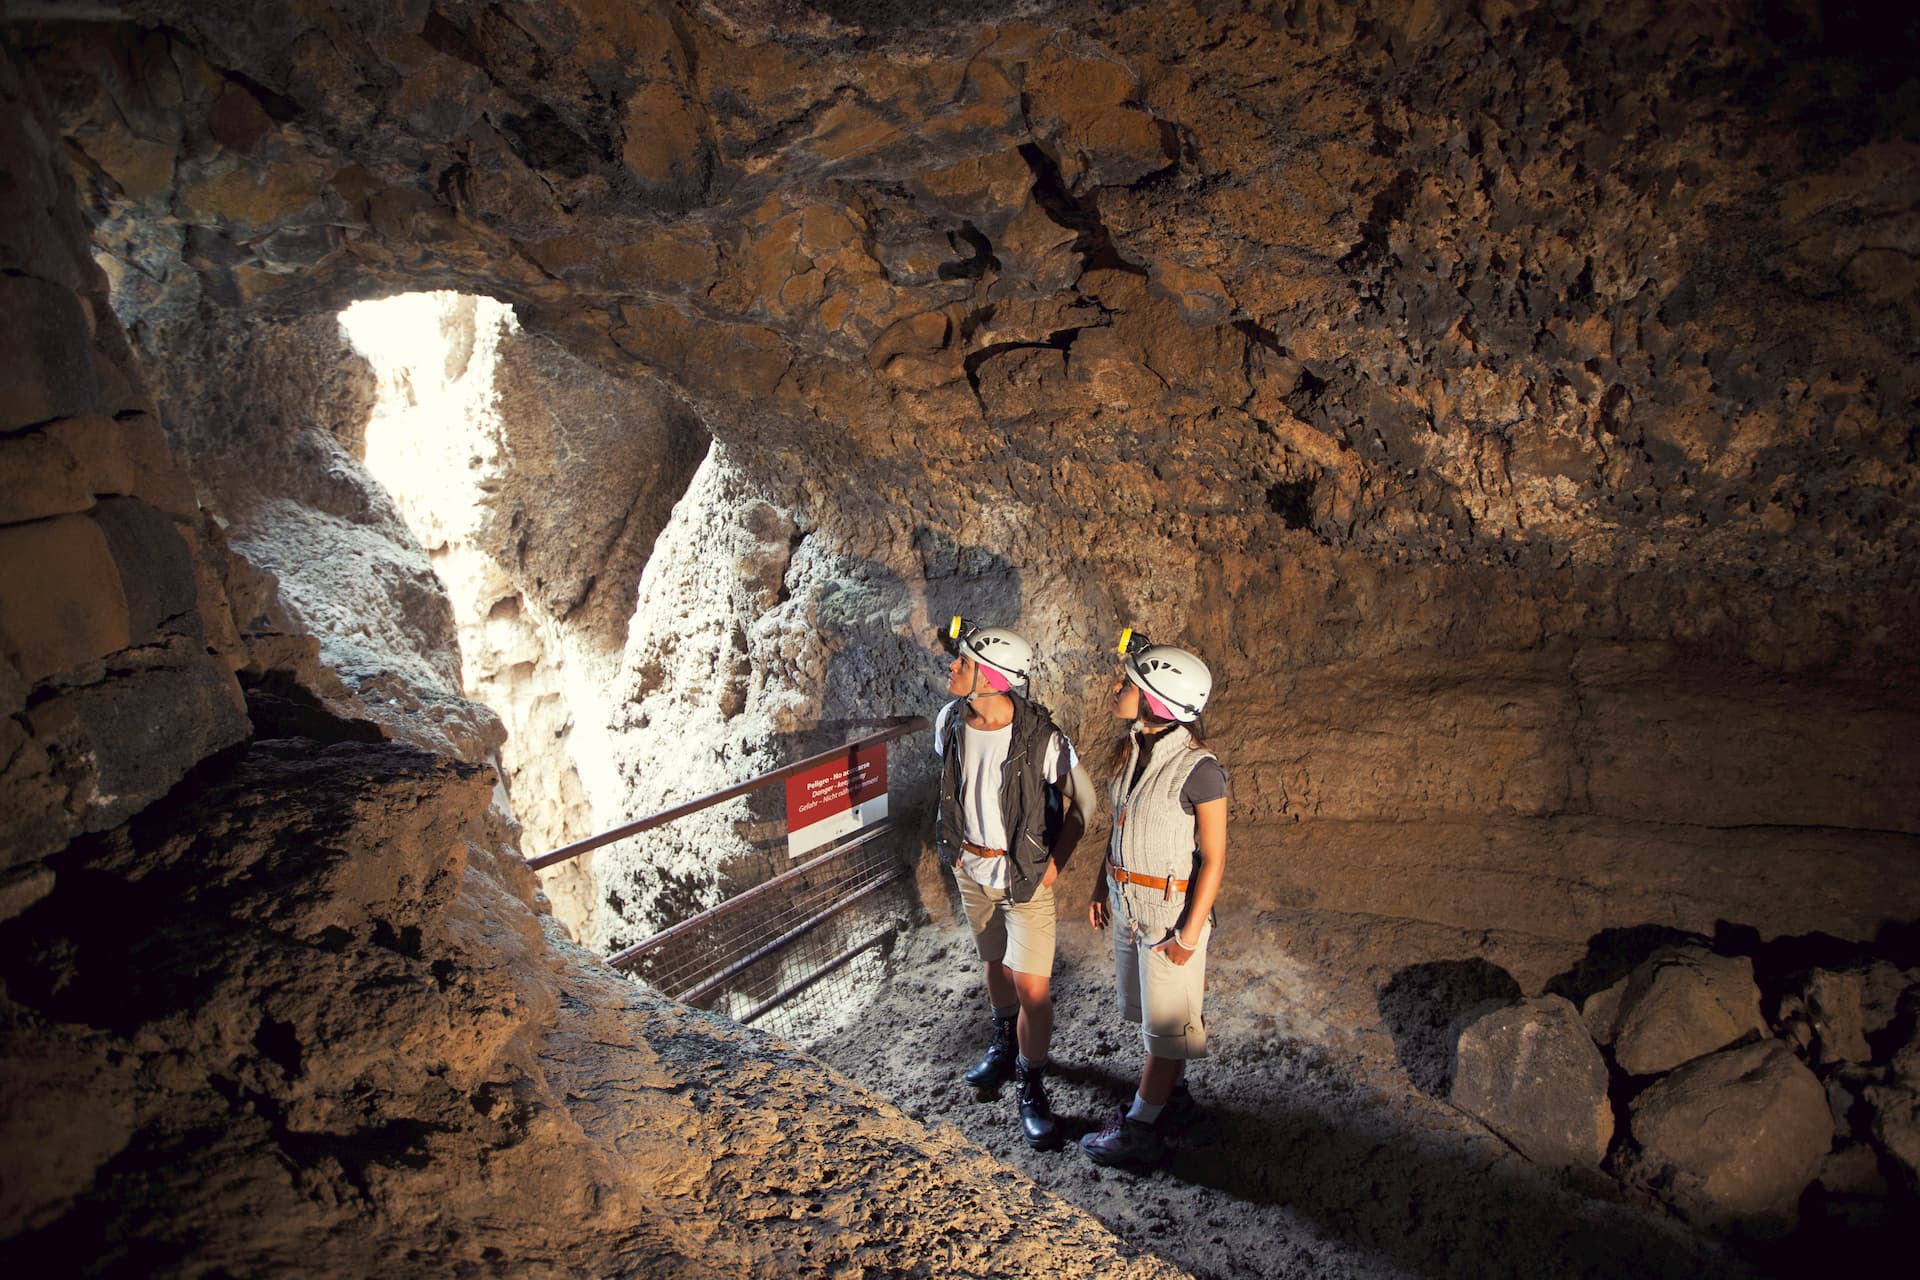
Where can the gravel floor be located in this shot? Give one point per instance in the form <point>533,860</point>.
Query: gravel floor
<point>1300,1163</point>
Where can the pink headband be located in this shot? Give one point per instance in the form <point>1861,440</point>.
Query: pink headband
<point>1158,707</point>
<point>995,681</point>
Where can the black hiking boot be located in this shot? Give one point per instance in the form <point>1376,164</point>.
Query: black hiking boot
<point>995,1067</point>
<point>1124,1143</point>
<point>1037,1123</point>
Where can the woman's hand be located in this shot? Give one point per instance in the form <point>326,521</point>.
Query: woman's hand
<point>1174,949</point>
<point>1097,912</point>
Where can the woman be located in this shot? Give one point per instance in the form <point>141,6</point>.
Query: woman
<point>1164,865</point>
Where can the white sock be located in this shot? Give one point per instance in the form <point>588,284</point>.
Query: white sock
<point>1143,1111</point>
<point>1021,1058</point>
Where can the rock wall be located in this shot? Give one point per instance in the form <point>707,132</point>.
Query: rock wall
<point>278,1000</point>
<point>1476,388</point>
<point>117,648</point>
<point>1513,402</point>
<point>267,414</point>
<point>495,565</point>
<point>1429,380</point>
<point>588,471</point>
<point>536,486</point>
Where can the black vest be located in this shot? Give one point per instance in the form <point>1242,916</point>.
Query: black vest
<point>1030,809</point>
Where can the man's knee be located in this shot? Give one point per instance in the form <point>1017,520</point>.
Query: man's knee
<point>1034,988</point>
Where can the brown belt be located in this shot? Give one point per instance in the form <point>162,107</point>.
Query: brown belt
<point>981,851</point>
<point>1120,875</point>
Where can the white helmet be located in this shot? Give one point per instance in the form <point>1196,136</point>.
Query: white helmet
<point>1175,682</point>
<point>997,650</point>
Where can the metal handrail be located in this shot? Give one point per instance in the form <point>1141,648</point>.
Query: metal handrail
<point>897,728</point>
<point>824,971</point>
<point>631,955</point>
<point>707,984</point>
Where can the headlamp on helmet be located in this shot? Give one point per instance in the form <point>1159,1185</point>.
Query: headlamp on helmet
<point>1175,683</point>
<point>1003,657</point>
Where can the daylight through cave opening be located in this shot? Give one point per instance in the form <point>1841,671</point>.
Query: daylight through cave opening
<point>471,415</point>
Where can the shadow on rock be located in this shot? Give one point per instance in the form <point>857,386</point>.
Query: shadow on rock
<point>1426,1006</point>
<point>981,584</point>
<point>1426,1205</point>
<point>1614,953</point>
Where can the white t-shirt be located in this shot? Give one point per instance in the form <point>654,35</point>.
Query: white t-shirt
<point>983,755</point>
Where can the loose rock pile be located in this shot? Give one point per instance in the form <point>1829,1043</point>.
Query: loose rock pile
<point>1675,1079</point>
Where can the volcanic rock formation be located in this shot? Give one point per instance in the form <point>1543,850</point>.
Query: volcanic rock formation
<point>1514,403</point>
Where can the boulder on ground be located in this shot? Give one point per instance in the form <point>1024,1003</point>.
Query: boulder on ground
<point>1896,1122</point>
<point>1884,988</point>
<point>1679,1004</point>
<point>1835,1007</point>
<point>1852,1169</point>
<point>1733,1139</point>
<point>1530,1072</point>
<point>1895,1107</point>
<point>1601,1011</point>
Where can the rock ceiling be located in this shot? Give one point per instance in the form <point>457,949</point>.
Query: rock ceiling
<point>1615,285</point>
<point>1517,403</point>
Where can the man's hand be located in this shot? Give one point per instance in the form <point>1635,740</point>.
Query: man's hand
<point>1053,873</point>
<point>1097,911</point>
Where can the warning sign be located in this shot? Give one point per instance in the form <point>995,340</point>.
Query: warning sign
<point>838,796</point>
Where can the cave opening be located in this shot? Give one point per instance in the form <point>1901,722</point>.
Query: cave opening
<point>451,435</point>
<point>484,439</point>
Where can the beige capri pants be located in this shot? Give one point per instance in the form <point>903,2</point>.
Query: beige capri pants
<point>1163,997</point>
<point>1017,934</point>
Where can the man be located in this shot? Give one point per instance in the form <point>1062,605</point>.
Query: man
<point>1013,803</point>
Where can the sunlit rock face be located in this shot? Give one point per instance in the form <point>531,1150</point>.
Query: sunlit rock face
<point>537,485</point>
<point>266,417</point>
<point>458,509</point>
<point>1513,405</point>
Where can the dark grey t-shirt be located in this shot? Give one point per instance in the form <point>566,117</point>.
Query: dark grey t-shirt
<point>1208,781</point>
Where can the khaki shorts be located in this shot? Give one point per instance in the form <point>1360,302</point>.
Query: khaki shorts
<point>1018,935</point>
<point>1163,997</point>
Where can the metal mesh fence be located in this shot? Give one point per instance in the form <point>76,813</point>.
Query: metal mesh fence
<point>798,954</point>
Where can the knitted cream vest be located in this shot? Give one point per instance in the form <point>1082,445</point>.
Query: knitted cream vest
<point>1152,835</point>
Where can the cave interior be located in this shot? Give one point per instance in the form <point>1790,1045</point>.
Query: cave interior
<point>435,431</point>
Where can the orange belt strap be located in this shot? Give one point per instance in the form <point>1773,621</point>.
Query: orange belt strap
<point>1120,875</point>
